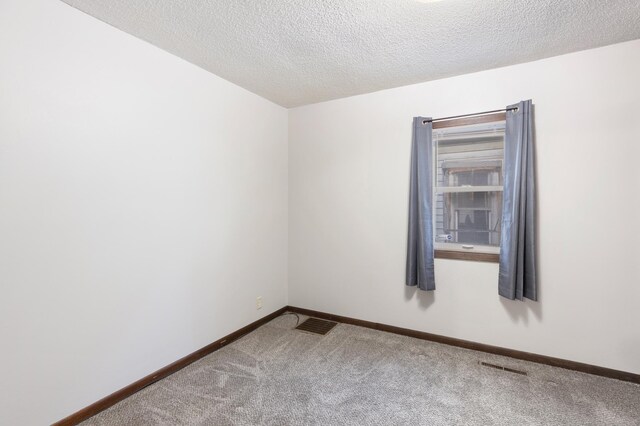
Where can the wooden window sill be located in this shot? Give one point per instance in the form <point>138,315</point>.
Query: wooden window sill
<point>467,255</point>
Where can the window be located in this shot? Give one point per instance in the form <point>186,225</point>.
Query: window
<point>468,188</point>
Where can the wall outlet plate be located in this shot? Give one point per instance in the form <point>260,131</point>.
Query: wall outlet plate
<point>259,302</point>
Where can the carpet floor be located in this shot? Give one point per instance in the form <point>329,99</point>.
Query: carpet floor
<point>356,376</point>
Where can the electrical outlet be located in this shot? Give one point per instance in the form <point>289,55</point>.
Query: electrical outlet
<point>259,302</point>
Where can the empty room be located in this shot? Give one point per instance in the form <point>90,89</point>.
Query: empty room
<point>336,212</point>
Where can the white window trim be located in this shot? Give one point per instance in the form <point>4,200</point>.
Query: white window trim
<point>467,188</point>
<point>466,248</point>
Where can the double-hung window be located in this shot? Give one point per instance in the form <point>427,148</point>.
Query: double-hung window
<point>468,188</point>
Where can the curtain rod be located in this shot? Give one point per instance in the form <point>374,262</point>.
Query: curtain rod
<point>470,115</point>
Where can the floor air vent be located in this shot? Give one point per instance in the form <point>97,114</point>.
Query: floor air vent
<point>317,326</point>
<point>500,367</point>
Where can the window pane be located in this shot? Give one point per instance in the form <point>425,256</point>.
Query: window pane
<point>488,174</point>
<point>468,195</point>
<point>469,217</point>
<point>470,155</point>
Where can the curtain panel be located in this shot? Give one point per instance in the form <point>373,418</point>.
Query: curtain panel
<point>420,269</point>
<point>517,273</point>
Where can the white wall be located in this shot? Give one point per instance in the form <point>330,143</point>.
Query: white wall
<point>348,185</point>
<point>143,207</point>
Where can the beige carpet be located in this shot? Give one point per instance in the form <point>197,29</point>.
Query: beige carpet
<point>356,376</point>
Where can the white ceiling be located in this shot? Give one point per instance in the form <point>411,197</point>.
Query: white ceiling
<point>296,52</point>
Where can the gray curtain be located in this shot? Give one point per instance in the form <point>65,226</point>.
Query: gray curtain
<point>517,276</point>
<point>420,270</point>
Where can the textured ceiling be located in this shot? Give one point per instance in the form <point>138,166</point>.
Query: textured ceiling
<point>296,52</point>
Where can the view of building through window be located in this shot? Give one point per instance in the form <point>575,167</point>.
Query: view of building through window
<point>468,187</point>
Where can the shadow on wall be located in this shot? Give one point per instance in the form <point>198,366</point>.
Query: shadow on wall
<point>425,298</point>
<point>520,311</point>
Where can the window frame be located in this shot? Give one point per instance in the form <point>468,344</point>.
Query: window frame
<point>456,254</point>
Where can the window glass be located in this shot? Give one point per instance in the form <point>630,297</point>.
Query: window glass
<point>468,180</point>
